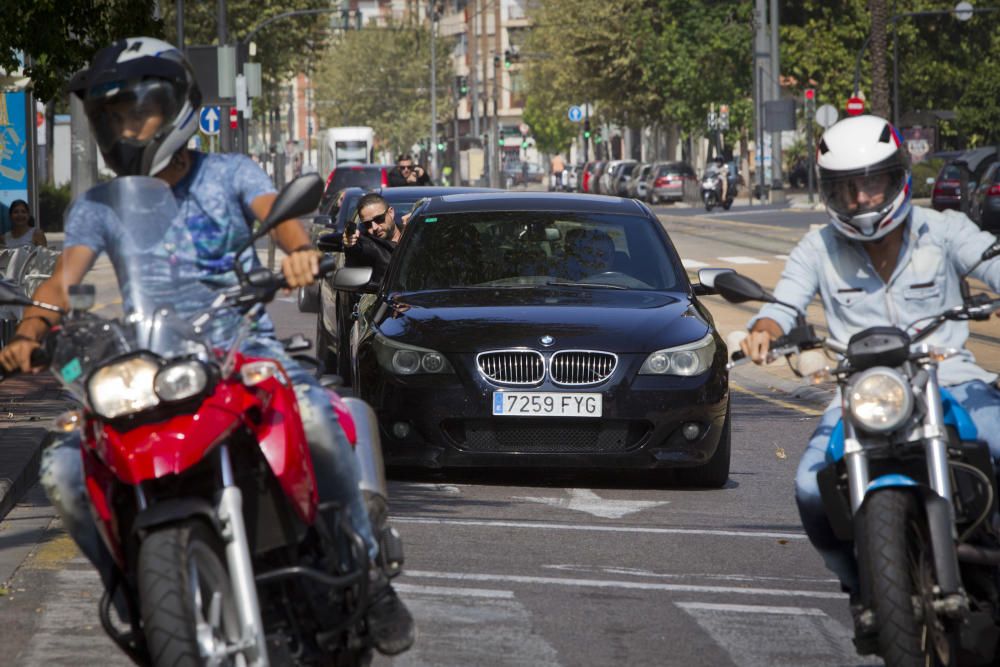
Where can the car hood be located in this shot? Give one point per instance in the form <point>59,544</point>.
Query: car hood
<point>613,320</point>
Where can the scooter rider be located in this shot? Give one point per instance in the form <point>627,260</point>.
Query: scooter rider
<point>142,102</point>
<point>880,261</point>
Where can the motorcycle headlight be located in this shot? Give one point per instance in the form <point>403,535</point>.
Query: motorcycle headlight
<point>880,400</point>
<point>180,380</point>
<point>684,360</point>
<point>124,388</point>
<point>401,359</point>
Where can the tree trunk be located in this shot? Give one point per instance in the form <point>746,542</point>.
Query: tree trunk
<point>879,102</point>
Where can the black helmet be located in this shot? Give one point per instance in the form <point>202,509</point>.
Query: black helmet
<point>142,101</point>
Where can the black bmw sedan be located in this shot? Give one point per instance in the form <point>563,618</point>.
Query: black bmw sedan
<point>538,329</point>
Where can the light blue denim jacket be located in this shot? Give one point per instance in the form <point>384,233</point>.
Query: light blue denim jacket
<point>938,248</point>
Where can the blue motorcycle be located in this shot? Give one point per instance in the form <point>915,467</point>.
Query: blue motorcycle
<point>910,484</point>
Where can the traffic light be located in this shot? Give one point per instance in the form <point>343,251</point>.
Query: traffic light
<point>598,137</point>
<point>461,86</point>
<point>500,141</point>
<point>524,143</point>
<point>440,145</point>
<point>510,56</point>
<point>586,129</point>
<point>810,99</point>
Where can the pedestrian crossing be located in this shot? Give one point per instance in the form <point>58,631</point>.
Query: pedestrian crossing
<point>693,264</point>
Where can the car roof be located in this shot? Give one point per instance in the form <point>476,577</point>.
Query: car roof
<point>534,201</point>
<point>421,191</point>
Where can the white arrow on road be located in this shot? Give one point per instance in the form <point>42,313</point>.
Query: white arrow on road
<point>585,500</point>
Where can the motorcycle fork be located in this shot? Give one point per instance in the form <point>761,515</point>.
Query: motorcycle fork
<point>230,513</point>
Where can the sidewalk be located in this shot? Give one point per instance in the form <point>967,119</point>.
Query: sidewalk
<point>28,404</point>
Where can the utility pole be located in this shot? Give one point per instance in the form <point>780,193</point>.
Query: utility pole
<point>488,145</point>
<point>225,134</point>
<point>495,171</point>
<point>761,56</point>
<point>432,9</point>
<point>473,48</point>
<point>180,25</point>
<point>82,149</point>
<point>777,186</point>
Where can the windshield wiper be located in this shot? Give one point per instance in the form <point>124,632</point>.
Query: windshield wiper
<point>557,283</point>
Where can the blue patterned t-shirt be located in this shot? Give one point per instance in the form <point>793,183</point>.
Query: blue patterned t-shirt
<point>188,260</point>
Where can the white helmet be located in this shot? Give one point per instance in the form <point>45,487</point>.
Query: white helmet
<point>127,87</point>
<point>864,148</point>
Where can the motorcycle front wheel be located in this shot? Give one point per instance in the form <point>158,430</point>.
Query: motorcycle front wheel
<point>899,565</point>
<point>185,597</point>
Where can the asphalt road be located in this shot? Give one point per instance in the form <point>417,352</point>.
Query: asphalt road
<point>541,569</point>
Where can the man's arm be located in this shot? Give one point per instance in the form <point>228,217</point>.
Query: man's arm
<point>301,264</point>
<point>70,268</point>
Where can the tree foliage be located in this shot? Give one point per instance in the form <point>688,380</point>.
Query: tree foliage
<point>381,77</point>
<point>61,36</point>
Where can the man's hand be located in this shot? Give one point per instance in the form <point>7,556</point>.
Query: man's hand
<point>351,240</point>
<point>757,344</point>
<point>300,268</point>
<point>17,355</point>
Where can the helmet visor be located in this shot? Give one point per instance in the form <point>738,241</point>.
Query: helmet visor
<point>860,191</point>
<point>134,112</point>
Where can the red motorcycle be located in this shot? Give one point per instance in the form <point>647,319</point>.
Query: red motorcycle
<point>197,465</point>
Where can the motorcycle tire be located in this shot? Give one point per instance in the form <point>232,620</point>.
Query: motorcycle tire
<point>715,473</point>
<point>898,566</point>
<point>728,204</point>
<point>180,572</point>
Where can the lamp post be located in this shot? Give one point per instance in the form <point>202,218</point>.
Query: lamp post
<point>432,8</point>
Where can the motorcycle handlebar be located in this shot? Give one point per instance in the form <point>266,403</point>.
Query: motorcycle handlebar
<point>39,358</point>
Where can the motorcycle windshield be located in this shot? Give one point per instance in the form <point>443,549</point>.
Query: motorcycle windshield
<point>163,285</point>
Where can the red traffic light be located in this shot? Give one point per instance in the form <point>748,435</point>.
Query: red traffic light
<point>233,118</point>
<point>810,94</point>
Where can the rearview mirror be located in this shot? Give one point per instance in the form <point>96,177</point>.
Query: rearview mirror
<point>737,288</point>
<point>707,276</point>
<point>353,279</point>
<point>295,199</point>
<point>82,297</point>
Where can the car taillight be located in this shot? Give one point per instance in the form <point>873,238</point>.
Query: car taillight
<point>385,178</point>
<point>994,190</point>
<point>661,181</point>
<point>329,179</point>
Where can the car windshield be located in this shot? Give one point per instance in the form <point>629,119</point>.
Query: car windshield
<point>950,172</point>
<point>534,249</point>
<point>357,177</point>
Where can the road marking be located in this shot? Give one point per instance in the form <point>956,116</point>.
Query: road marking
<point>788,637</point>
<point>812,412</point>
<point>742,259</point>
<point>542,525</point>
<point>751,609</point>
<point>691,221</point>
<point>457,591</point>
<point>639,572</point>
<point>692,264</point>
<point>585,500</point>
<point>628,585</point>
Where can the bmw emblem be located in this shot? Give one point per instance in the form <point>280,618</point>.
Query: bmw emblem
<point>547,340</point>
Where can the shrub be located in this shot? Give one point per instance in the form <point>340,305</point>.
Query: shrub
<point>52,203</point>
<point>921,172</point>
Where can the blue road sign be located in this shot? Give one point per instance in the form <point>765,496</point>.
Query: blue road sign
<point>13,153</point>
<point>208,119</point>
<point>575,114</point>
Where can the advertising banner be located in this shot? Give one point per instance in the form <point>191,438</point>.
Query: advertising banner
<point>13,154</point>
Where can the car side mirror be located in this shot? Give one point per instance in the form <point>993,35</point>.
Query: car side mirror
<point>323,221</point>
<point>353,279</point>
<point>706,280</point>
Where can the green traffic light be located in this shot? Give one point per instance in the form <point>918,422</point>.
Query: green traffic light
<point>440,146</point>
<point>597,138</point>
<point>586,134</point>
<point>500,141</point>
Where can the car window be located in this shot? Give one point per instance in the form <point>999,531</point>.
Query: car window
<point>532,249</point>
<point>950,172</point>
<point>356,177</point>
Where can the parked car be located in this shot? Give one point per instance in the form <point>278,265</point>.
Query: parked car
<point>673,182</point>
<point>348,175</point>
<point>590,172</point>
<point>574,171</point>
<point>606,186</point>
<point>597,181</point>
<point>947,191</point>
<point>522,173</point>
<point>637,183</point>
<point>333,323</point>
<point>561,332</point>
<point>622,176</point>
<point>984,200</point>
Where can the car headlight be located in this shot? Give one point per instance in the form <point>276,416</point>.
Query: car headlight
<point>401,359</point>
<point>685,360</point>
<point>880,400</point>
<point>124,388</point>
<point>180,380</point>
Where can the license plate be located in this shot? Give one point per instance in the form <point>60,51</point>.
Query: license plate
<point>546,404</point>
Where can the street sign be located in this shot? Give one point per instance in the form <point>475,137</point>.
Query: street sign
<point>826,115</point>
<point>855,106</point>
<point>575,114</point>
<point>208,120</point>
<point>964,11</point>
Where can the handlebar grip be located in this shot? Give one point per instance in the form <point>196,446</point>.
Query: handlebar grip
<point>39,357</point>
<point>738,355</point>
<point>733,341</point>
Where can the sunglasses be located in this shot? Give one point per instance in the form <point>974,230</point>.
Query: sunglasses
<point>408,167</point>
<point>377,220</point>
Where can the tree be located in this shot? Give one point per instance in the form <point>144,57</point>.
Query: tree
<point>880,79</point>
<point>545,112</point>
<point>380,77</point>
<point>61,37</point>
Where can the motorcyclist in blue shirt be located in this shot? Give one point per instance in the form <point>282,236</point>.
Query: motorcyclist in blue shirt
<point>142,101</point>
<point>880,261</point>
